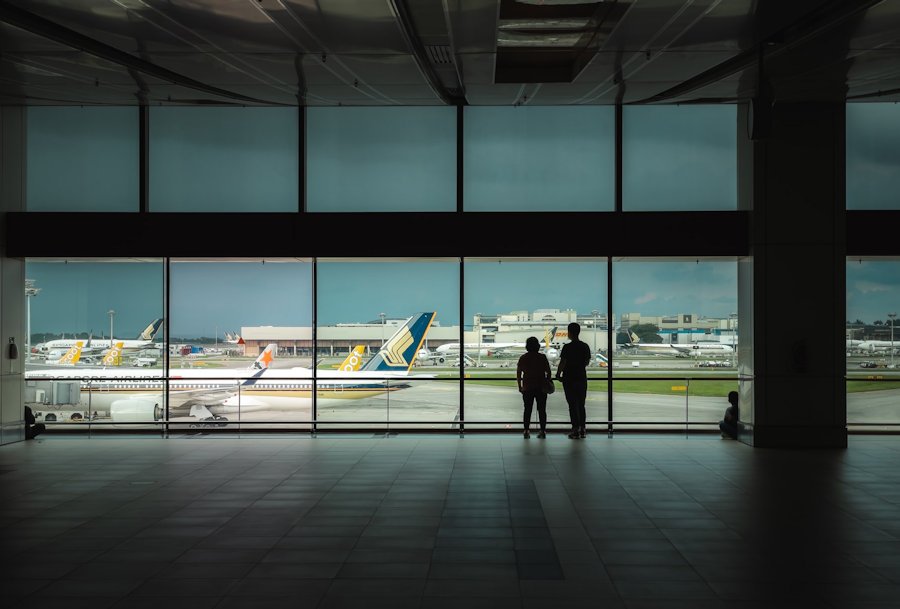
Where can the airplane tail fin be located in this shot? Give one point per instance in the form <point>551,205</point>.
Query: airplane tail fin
<point>635,339</point>
<point>71,357</point>
<point>354,360</point>
<point>265,358</point>
<point>151,330</point>
<point>548,337</point>
<point>113,356</point>
<point>400,351</point>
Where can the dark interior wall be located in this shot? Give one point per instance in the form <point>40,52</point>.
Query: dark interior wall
<point>12,274</point>
<point>799,251</point>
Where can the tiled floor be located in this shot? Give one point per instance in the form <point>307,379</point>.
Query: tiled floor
<point>431,521</point>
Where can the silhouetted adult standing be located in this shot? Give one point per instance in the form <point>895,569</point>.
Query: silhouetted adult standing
<point>572,371</point>
<point>532,372</point>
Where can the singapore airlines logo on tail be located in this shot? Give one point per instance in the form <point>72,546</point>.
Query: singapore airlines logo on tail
<point>393,350</point>
<point>401,349</point>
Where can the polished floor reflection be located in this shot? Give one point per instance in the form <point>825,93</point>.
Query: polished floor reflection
<point>435,521</point>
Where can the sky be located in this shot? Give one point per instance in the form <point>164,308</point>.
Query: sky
<point>679,158</point>
<point>873,289</point>
<point>224,296</point>
<point>873,156</point>
<point>211,297</point>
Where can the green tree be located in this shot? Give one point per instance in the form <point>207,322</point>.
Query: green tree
<point>648,333</point>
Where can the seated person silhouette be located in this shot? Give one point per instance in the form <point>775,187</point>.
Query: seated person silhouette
<point>729,425</point>
<point>32,428</point>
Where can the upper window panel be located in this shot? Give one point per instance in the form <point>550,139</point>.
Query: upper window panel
<point>679,158</point>
<point>82,159</point>
<point>873,156</point>
<point>540,158</point>
<point>224,159</point>
<point>381,159</point>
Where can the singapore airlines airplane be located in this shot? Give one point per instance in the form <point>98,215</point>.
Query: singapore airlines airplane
<point>489,349</point>
<point>693,349</point>
<point>136,394</point>
<point>143,340</point>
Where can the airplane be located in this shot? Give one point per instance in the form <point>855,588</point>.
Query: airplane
<point>682,350</point>
<point>71,356</point>
<point>491,349</point>
<point>136,394</point>
<point>876,345</point>
<point>233,338</point>
<point>143,341</point>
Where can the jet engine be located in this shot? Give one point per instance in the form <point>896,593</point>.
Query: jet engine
<point>135,411</point>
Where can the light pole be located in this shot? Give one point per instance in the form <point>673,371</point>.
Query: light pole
<point>30,291</point>
<point>892,316</point>
<point>594,314</point>
<point>478,315</point>
<point>381,315</point>
<point>111,314</point>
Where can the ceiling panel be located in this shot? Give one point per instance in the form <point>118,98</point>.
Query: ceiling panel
<point>328,52</point>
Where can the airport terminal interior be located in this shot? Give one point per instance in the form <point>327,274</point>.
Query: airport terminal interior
<point>268,270</point>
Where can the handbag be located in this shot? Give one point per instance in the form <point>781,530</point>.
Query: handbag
<point>549,387</point>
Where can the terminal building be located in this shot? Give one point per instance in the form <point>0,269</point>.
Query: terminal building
<point>722,170</point>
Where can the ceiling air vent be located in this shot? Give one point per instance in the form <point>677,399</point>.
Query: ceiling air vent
<point>551,40</point>
<point>439,54</point>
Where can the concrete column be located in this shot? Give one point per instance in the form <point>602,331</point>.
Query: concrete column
<point>12,276</point>
<point>792,293</point>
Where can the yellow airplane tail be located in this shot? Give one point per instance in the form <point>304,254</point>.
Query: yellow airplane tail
<point>113,356</point>
<point>548,336</point>
<point>354,360</point>
<point>71,357</point>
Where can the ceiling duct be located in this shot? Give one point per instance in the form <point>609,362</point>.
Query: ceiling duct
<point>542,41</point>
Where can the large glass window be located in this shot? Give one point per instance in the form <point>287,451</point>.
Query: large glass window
<point>82,159</point>
<point>95,348</point>
<point>391,314</point>
<point>675,351</point>
<point>388,349</point>
<point>224,159</point>
<point>539,158</point>
<point>241,342</point>
<point>873,156</point>
<point>677,158</point>
<point>873,342</point>
<point>381,159</point>
<point>509,300</point>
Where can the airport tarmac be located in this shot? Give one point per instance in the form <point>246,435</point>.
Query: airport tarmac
<point>436,405</point>
<point>434,402</point>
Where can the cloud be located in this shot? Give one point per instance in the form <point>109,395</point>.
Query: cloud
<point>869,287</point>
<point>648,297</point>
